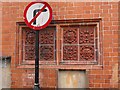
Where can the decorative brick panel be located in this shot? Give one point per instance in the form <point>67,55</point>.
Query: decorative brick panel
<point>80,43</point>
<point>100,75</point>
<point>47,53</point>
<point>86,53</point>
<point>28,41</point>
<point>70,35</point>
<point>46,44</point>
<point>29,37</point>
<point>70,53</point>
<point>86,34</point>
<point>29,53</point>
<point>47,36</point>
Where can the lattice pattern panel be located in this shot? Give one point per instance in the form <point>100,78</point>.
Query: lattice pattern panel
<point>47,36</point>
<point>29,52</point>
<point>87,52</point>
<point>79,43</point>
<point>46,44</point>
<point>86,35</point>
<point>28,44</point>
<point>70,35</point>
<point>29,37</point>
<point>70,53</point>
<point>47,53</point>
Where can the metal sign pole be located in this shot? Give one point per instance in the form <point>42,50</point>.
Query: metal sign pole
<point>36,84</point>
<point>33,17</point>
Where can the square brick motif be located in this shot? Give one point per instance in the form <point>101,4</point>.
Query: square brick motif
<point>86,53</point>
<point>79,43</point>
<point>70,53</point>
<point>46,44</point>
<point>47,53</point>
<point>29,53</point>
<point>47,36</point>
<point>86,35</point>
<point>70,35</point>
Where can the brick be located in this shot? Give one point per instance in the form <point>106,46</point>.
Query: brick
<point>97,85</point>
<point>96,72</point>
<point>105,85</point>
<point>109,35</point>
<point>81,4</point>
<point>99,81</point>
<point>91,85</point>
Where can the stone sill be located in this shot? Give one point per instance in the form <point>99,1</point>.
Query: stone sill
<point>77,67</point>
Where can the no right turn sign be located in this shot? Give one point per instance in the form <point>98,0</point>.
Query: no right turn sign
<point>38,15</point>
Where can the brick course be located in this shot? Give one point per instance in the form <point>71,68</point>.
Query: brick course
<point>107,77</point>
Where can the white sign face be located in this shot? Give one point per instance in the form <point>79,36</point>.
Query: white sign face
<point>40,20</point>
<point>38,15</point>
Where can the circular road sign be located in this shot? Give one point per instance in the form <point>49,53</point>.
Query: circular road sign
<point>37,15</point>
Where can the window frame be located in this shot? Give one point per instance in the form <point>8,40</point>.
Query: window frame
<point>82,62</point>
<point>58,23</point>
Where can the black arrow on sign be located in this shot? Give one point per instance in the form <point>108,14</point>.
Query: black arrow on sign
<point>34,13</point>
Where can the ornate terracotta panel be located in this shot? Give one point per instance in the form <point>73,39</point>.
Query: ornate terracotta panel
<point>29,37</point>
<point>79,43</point>
<point>70,35</point>
<point>47,36</point>
<point>86,35</point>
<point>70,53</point>
<point>86,53</point>
<point>46,45</point>
<point>29,53</point>
<point>47,53</point>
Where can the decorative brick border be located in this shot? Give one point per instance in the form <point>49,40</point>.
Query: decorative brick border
<point>58,24</point>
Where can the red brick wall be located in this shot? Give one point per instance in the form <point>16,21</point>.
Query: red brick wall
<point>105,77</point>
<point>118,47</point>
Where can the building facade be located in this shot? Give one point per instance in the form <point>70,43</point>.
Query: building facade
<point>80,48</point>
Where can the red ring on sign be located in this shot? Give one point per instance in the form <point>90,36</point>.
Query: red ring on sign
<point>37,27</point>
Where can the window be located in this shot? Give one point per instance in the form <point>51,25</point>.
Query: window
<point>62,42</point>
<point>47,48</point>
<point>79,44</point>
